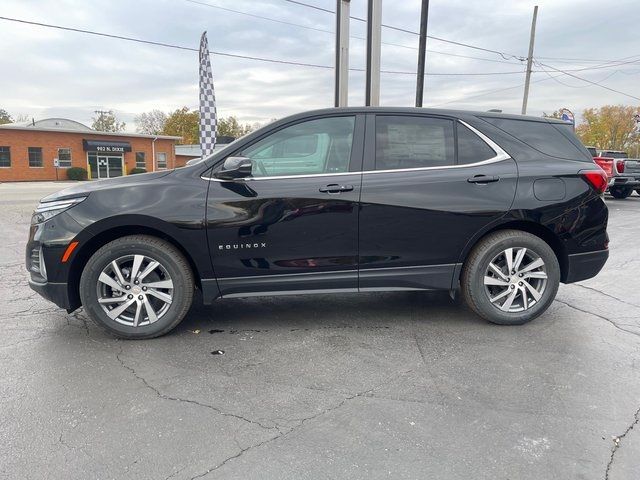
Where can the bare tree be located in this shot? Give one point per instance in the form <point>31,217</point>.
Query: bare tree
<point>151,123</point>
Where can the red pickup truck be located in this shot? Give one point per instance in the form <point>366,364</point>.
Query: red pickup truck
<point>623,173</point>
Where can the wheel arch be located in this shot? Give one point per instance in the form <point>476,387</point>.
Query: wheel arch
<point>97,240</point>
<point>533,228</point>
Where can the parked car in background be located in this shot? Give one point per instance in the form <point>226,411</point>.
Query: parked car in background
<point>623,173</point>
<point>592,150</point>
<point>500,207</point>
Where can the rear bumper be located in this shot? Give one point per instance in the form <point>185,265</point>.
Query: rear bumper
<point>624,180</point>
<point>585,265</point>
<point>57,293</point>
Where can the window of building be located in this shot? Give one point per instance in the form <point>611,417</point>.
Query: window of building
<point>35,157</point>
<point>5,157</point>
<point>140,160</point>
<point>161,160</point>
<point>311,147</point>
<point>413,142</point>
<point>64,157</point>
<point>471,148</point>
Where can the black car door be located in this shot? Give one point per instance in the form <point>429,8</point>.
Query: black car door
<point>293,224</point>
<point>430,184</point>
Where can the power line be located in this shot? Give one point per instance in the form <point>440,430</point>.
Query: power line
<point>590,81</point>
<point>225,54</point>
<point>504,55</point>
<point>490,92</point>
<point>163,44</point>
<point>331,32</point>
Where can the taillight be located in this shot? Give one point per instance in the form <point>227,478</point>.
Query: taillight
<point>605,164</point>
<point>620,166</point>
<point>596,178</point>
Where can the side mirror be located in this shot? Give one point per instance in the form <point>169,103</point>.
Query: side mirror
<point>234,168</point>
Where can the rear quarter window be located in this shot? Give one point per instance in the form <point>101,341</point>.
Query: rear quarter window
<point>545,137</point>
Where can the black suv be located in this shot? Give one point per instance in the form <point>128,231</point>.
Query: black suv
<point>500,207</point>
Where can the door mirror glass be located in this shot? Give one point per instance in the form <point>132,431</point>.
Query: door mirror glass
<point>234,168</point>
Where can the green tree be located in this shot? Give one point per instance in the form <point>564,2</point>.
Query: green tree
<point>230,126</point>
<point>107,122</point>
<point>151,123</point>
<point>5,117</point>
<point>183,123</point>
<point>610,127</point>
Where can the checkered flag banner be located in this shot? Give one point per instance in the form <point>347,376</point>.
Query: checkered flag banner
<point>208,117</point>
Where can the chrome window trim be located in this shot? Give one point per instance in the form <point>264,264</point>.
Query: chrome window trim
<point>500,155</point>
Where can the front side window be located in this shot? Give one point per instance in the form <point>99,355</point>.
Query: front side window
<point>64,157</point>
<point>161,160</point>
<point>140,160</point>
<point>471,148</point>
<point>5,157</point>
<point>35,157</point>
<point>413,142</point>
<point>307,148</point>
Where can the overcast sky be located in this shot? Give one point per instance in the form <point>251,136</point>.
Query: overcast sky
<point>48,72</point>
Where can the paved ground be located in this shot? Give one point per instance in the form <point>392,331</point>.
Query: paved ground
<point>399,385</point>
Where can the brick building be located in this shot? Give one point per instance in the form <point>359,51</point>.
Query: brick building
<point>31,151</point>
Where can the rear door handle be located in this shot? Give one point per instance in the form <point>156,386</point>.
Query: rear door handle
<point>336,188</point>
<point>483,179</point>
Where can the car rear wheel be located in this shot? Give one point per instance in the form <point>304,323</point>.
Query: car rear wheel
<point>620,192</point>
<point>510,277</point>
<point>137,287</point>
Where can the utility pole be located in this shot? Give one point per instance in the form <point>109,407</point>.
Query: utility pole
<point>374,37</point>
<point>342,53</point>
<point>527,80</point>
<point>422,52</point>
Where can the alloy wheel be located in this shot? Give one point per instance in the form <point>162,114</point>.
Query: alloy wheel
<point>135,290</point>
<point>515,279</point>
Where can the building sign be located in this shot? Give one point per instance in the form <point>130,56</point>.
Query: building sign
<point>102,146</point>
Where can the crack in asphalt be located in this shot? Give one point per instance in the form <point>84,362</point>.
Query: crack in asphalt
<point>607,295</point>
<point>616,442</point>
<point>619,327</point>
<point>186,400</point>
<point>302,422</point>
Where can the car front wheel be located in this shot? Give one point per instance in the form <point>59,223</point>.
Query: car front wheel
<point>137,287</point>
<point>510,277</point>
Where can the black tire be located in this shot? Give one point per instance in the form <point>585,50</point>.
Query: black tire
<point>473,273</point>
<point>638,191</point>
<point>170,259</point>
<point>620,192</point>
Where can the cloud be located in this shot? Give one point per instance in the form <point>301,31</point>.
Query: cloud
<point>57,73</point>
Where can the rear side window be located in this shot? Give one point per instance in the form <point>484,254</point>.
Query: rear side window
<point>471,148</point>
<point>542,136</point>
<point>413,142</point>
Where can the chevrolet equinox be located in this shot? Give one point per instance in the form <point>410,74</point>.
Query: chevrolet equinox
<point>499,207</point>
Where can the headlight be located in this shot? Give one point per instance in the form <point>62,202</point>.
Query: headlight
<point>48,210</point>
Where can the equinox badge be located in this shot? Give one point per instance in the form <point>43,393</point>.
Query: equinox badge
<point>242,246</point>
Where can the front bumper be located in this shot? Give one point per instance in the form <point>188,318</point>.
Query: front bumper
<point>57,293</point>
<point>585,265</point>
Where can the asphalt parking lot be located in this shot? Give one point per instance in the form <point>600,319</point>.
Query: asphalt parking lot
<point>399,385</point>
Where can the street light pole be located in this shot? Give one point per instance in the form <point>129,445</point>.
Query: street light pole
<point>374,37</point>
<point>422,52</point>
<point>342,54</point>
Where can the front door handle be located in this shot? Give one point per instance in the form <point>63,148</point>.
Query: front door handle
<point>483,179</point>
<point>336,188</point>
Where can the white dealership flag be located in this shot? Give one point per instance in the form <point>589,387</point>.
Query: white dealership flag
<point>208,117</point>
